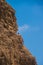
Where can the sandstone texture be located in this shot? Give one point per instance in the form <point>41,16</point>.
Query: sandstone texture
<point>12,50</point>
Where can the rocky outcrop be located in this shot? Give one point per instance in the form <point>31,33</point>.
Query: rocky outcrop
<point>12,50</point>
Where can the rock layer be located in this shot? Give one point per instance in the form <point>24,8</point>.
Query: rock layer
<point>12,50</point>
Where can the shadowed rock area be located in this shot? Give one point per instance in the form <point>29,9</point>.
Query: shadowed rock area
<point>12,50</point>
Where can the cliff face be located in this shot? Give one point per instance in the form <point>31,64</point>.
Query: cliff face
<point>12,50</point>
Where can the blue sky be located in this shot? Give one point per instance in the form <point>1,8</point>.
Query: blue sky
<point>29,14</point>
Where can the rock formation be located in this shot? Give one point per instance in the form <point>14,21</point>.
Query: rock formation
<point>12,50</point>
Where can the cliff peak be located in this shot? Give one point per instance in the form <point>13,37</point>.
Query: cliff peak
<point>12,50</point>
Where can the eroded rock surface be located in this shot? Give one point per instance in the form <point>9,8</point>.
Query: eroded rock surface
<point>12,50</point>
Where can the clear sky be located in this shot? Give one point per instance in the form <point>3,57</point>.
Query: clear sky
<point>29,14</point>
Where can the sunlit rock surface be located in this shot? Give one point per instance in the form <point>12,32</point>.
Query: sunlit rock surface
<point>12,50</point>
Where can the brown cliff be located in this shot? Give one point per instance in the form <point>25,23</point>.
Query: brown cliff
<point>12,50</point>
